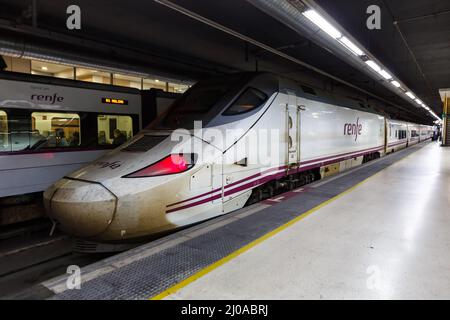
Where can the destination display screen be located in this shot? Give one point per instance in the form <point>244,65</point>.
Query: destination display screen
<point>115,101</point>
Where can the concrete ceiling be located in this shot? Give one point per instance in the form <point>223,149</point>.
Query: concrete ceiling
<point>413,42</point>
<point>149,35</point>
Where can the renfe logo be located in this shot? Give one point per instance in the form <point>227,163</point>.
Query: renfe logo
<point>353,129</point>
<point>105,164</point>
<point>47,98</point>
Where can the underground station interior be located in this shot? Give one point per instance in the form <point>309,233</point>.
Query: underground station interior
<point>239,150</point>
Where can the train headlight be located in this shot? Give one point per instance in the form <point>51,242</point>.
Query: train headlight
<point>172,164</point>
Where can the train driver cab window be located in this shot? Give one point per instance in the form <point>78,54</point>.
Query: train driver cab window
<point>4,141</point>
<point>54,130</point>
<point>114,129</point>
<point>249,100</point>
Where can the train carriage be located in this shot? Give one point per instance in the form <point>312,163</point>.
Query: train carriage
<point>50,127</point>
<point>397,135</point>
<point>413,134</point>
<point>426,132</point>
<point>160,181</point>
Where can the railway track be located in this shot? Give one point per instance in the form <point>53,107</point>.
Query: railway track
<point>28,255</point>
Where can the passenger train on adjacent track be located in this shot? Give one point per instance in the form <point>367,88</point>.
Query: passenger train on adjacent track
<point>144,187</point>
<point>50,127</point>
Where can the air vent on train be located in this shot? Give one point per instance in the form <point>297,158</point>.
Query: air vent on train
<point>144,144</point>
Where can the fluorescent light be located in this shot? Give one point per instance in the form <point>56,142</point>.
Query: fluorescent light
<point>395,83</point>
<point>322,23</point>
<point>351,46</point>
<point>418,101</point>
<point>409,94</point>
<point>373,65</point>
<point>385,74</point>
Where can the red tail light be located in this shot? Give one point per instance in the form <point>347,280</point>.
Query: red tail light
<point>172,164</point>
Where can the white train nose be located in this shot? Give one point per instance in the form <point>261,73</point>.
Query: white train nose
<point>83,209</point>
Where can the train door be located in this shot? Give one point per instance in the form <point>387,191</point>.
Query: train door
<point>293,132</point>
<point>218,182</point>
<point>387,133</point>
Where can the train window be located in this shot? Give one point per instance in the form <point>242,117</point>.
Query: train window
<point>202,102</point>
<point>4,144</point>
<point>114,129</point>
<point>249,100</point>
<point>54,130</point>
<point>193,106</point>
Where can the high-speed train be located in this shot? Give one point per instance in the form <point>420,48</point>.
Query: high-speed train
<point>50,127</point>
<point>259,134</point>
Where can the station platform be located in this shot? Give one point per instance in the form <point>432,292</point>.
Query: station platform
<point>379,231</point>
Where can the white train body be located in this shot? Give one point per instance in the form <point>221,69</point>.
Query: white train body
<point>22,169</point>
<point>128,193</point>
<point>397,135</point>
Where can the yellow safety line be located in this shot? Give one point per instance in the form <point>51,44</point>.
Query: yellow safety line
<point>266,236</point>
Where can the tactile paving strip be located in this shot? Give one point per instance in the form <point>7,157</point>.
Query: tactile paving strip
<point>157,272</point>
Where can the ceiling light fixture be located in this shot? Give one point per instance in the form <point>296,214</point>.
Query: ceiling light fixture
<point>373,65</point>
<point>351,46</point>
<point>385,74</point>
<point>323,24</point>
<point>409,94</point>
<point>395,83</point>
